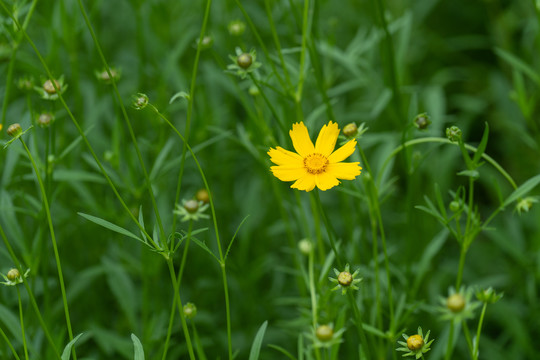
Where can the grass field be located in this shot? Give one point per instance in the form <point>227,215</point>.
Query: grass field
<point>171,185</point>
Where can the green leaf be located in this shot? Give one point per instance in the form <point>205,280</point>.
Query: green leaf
<point>205,248</point>
<point>67,350</point>
<point>139,353</point>
<point>470,173</point>
<point>234,237</point>
<point>482,147</point>
<point>518,64</point>
<point>111,226</point>
<point>257,342</point>
<point>522,190</point>
<point>180,94</point>
<point>282,350</point>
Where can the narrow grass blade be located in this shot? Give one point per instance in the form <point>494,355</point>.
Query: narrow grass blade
<point>66,355</point>
<point>138,348</point>
<point>110,226</point>
<point>257,342</point>
<point>522,190</point>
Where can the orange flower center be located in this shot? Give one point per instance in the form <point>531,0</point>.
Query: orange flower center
<point>315,163</point>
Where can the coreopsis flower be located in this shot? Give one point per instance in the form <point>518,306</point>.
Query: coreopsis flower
<point>14,277</point>
<point>458,306</point>
<point>324,336</point>
<point>345,280</point>
<point>191,210</point>
<point>314,165</point>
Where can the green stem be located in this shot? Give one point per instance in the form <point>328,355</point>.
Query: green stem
<point>450,343</point>
<point>269,104</point>
<point>12,61</point>
<point>178,301</point>
<point>4,336</point>
<point>216,229</point>
<point>467,334</point>
<point>462,255</point>
<point>79,129</point>
<point>22,323</point>
<point>190,108</point>
<point>53,240</point>
<point>127,121</point>
<point>486,157</point>
<point>313,296</point>
<point>301,70</point>
<point>29,291</point>
<point>478,332</point>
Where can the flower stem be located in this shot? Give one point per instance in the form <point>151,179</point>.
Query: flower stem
<point>479,331</point>
<point>178,302</point>
<point>22,323</point>
<point>313,295</point>
<point>450,343</point>
<point>29,291</point>
<point>55,247</point>
<point>4,336</point>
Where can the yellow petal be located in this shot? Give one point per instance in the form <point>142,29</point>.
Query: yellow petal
<point>326,141</point>
<point>326,181</point>
<point>306,182</point>
<point>280,156</point>
<point>300,139</point>
<point>286,173</point>
<point>343,152</point>
<point>345,171</point>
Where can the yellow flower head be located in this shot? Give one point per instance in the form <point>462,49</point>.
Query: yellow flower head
<point>317,165</point>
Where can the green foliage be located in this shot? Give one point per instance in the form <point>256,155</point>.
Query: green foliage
<point>87,202</point>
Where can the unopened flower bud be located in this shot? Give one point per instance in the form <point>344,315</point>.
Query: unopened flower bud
<point>206,42</point>
<point>415,342</point>
<point>421,121</point>
<point>13,274</point>
<point>324,333</point>
<point>350,130</point>
<point>345,278</point>
<point>202,195</point>
<point>305,246</point>
<point>191,206</point>
<point>455,303</point>
<point>14,130</point>
<point>140,101</point>
<point>453,133</point>
<point>50,88</point>
<point>190,310</point>
<point>455,206</point>
<point>45,119</point>
<point>236,27</point>
<point>244,60</point>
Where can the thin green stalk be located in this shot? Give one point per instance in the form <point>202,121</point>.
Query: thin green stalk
<point>12,60</point>
<point>479,331</point>
<point>190,108</point>
<point>179,282</point>
<point>29,291</point>
<point>301,70</point>
<point>391,58</point>
<point>461,265</point>
<point>277,43</point>
<point>79,129</point>
<point>55,247</point>
<point>127,121</point>
<point>359,326</point>
<point>198,345</point>
<point>22,323</point>
<point>313,296</point>
<point>178,301</point>
<point>486,157</point>
<point>216,229</point>
<point>450,343</point>
<point>467,336</point>
<point>261,43</point>
<point>331,234</point>
<point>269,104</point>
<point>4,336</point>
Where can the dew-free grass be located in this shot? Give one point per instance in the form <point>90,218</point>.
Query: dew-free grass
<point>139,206</point>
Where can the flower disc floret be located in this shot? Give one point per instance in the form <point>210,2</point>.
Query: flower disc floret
<point>314,165</point>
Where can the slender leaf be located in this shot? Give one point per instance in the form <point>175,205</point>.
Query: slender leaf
<point>257,342</point>
<point>482,146</point>
<point>517,63</point>
<point>522,190</point>
<point>234,237</point>
<point>282,350</point>
<point>67,350</point>
<point>110,226</point>
<point>138,348</point>
<point>204,247</point>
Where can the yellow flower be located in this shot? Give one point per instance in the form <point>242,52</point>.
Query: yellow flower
<point>317,165</point>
